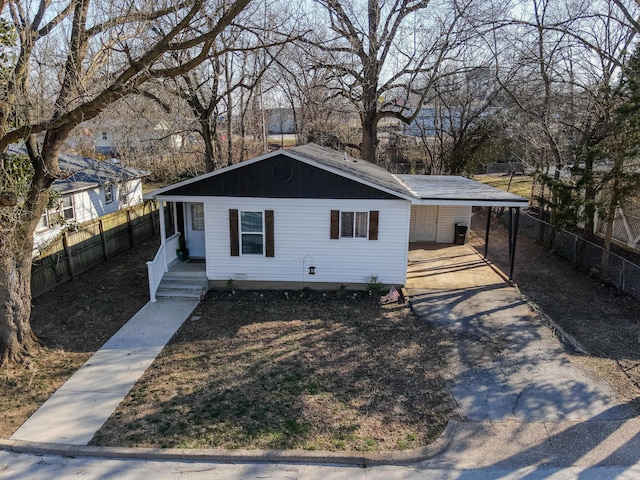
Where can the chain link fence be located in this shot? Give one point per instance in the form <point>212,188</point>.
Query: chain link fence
<point>587,256</point>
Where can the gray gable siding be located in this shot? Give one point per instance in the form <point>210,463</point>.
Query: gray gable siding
<point>258,179</point>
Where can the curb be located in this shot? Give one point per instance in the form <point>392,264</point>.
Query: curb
<point>364,459</point>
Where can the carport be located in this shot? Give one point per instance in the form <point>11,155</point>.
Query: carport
<point>442,209</point>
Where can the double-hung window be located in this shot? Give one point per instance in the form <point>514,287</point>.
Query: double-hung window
<point>252,233</point>
<point>124,194</point>
<point>354,224</point>
<point>67,211</point>
<point>108,193</point>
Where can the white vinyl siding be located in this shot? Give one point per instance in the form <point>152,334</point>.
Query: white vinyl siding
<point>302,235</point>
<point>88,205</point>
<point>91,204</point>
<point>448,216</point>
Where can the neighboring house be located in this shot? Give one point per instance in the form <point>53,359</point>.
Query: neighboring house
<point>111,138</point>
<point>280,121</point>
<point>93,188</point>
<point>312,215</point>
<point>626,224</point>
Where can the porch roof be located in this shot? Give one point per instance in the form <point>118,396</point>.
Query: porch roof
<point>450,190</point>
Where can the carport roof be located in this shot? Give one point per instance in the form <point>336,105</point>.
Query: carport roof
<point>449,190</point>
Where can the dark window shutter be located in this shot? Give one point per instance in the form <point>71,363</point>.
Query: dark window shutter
<point>269,242</point>
<point>335,225</point>
<point>373,224</point>
<point>233,233</point>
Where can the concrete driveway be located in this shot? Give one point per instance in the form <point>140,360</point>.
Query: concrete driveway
<point>508,365</point>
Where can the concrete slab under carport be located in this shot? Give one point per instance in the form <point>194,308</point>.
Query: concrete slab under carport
<point>448,266</point>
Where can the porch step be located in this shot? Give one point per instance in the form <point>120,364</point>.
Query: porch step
<point>179,285</point>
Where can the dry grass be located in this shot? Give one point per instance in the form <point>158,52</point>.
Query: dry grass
<point>333,371</point>
<point>520,184</point>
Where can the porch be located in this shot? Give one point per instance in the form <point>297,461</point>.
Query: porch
<point>169,277</point>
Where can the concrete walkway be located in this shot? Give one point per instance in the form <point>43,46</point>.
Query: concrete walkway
<point>77,410</point>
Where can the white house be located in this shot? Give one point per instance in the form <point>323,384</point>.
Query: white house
<point>312,216</point>
<point>111,137</point>
<point>93,188</point>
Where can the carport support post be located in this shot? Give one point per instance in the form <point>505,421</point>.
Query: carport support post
<point>486,235</point>
<point>513,237</point>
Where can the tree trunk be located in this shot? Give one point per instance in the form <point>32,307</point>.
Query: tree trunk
<point>369,139</point>
<point>611,215</point>
<point>17,340</point>
<point>608,235</point>
<point>589,204</point>
<point>209,151</point>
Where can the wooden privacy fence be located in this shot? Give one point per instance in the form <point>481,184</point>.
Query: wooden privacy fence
<point>76,252</point>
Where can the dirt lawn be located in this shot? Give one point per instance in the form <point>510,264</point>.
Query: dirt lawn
<point>306,370</point>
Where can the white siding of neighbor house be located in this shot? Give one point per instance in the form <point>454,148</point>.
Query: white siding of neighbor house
<point>301,238</point>
<point>89,205</point>
<point>448,217</point>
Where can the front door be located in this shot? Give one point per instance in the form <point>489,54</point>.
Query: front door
<point>426,223</point>
<point>195,229</point>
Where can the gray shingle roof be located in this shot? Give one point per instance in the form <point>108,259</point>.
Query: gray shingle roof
<point>419,189</point>
<point>359,169</point>
<point>458,189</point>
<point>86,173</point>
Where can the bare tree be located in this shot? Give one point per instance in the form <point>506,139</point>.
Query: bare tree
<point>384,57</point>
<point>553,60</point>
<point>222,91</point>
<point>104,51</point>
<point>459,121</point>
<point>318,115</point>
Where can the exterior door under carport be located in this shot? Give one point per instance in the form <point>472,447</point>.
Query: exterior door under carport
<point>426,223</point>
<point>195,229</point>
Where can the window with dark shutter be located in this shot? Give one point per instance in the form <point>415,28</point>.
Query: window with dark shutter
<point>335,225</point>
<point>269,240</point>
<point>352,224</point>
<point>373,224</point>
<point>233,233</point>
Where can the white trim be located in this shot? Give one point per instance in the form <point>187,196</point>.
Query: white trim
<point>471,202</point>
<point>263,233</point>
<point>354,225</point>
<point>404,184</point>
